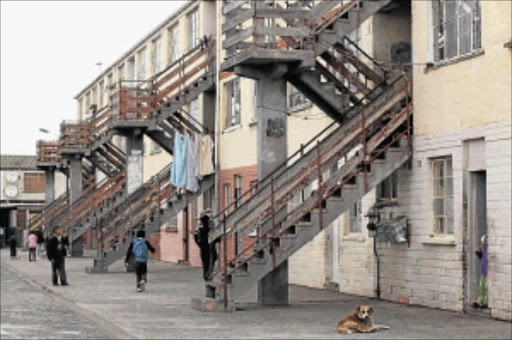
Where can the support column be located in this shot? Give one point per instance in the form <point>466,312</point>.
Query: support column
<point>272,147</point>
<point>49,187</point>
<point>75,178</point>
<point>134,160</point>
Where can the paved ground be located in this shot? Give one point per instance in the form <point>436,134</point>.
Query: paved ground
<point>29,313</point>
<point>111,303</point>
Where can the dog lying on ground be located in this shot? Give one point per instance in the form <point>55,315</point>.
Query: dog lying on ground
<point>359,321</point>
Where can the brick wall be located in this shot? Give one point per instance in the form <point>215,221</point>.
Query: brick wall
<point>431,272</point>
<point>499,216</point>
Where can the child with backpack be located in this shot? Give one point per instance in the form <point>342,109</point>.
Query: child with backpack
<point>139,250</point>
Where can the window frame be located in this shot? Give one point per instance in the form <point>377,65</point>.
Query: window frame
<point>446,197</point>
<point>357,217</point>
<point>233,94</point>
<point>226,187</point>
<point>391,184</point>
<point>156,57</point>
<point>441,33</point>
<point>174,53</point>
<point>238,180</point>
<point>34,187</point>
<point>193,28</point>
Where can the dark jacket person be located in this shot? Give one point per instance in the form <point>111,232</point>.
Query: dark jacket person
<point>56,252</point>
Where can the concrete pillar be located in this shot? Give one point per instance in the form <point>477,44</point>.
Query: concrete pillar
<point>75,174</point>
<point>134,160</point>
<point>271,115</point>
<point>49,187</point>
<point>75,178</point>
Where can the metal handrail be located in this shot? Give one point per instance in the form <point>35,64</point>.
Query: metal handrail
<point>322,196</point>
<point>284,164</point>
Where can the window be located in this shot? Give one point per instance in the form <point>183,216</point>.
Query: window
<point>208,198</point>
<point>387,190</point>
<point>457,27</point>
<point>355,217</point>
<point>194,111</point>
<point>33,182</point>
<point>103,95</point>
<point>254,187</point>
<point>238,190</point>
<point>297,99</point>
<point>255,100</point>
<point>142,65</point>
<point>442,195</point>
<point>233,108</point>
<point>227,195</point>
<point>110,80</point>
<point>120,72</point>
<point>156,55</point>
<point>193,29</point>
<point>131,69</point>
<point>21,219</point>
<point>173,44</point>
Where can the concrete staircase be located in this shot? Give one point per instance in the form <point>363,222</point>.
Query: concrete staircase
<point>370,148</point>
<point>141,213</point>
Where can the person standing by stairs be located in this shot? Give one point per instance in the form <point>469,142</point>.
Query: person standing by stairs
<point>139,250</point>
<point>56,252</point>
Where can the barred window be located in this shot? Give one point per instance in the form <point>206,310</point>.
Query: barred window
<point>442,195</point>
<point>33,182</point>
<point>457,28</point>
<point>233,100</point>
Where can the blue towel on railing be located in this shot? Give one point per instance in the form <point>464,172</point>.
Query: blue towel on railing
<point>179,164</point>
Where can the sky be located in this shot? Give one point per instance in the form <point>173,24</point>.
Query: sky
<point>49,51</point>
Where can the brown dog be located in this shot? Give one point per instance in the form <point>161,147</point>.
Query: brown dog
<point>359,321</point>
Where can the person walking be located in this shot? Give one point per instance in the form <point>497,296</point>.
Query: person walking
<point>32,245</point>
<point>12,244</point>
<point>56,252</point>
<point>139,250</point>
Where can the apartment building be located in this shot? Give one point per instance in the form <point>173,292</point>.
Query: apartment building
<point>369,159</point>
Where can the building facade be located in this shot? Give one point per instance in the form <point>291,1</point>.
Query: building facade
<point>453,189</point>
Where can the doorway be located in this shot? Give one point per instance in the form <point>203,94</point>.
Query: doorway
<point>477,216</point>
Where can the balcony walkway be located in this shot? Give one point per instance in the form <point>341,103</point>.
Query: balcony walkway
<point>163,311</point>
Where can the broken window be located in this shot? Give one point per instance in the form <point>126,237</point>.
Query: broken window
<point>442,195</point>
<point>457,28</point>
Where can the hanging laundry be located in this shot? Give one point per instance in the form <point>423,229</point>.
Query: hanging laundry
<point>192,163</point>
<point>179,164</point>
<point>206,166</point>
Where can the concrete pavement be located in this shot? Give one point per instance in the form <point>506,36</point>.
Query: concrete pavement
<point>163,311</point>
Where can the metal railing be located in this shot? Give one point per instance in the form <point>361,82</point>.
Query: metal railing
<point>365,132</point>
